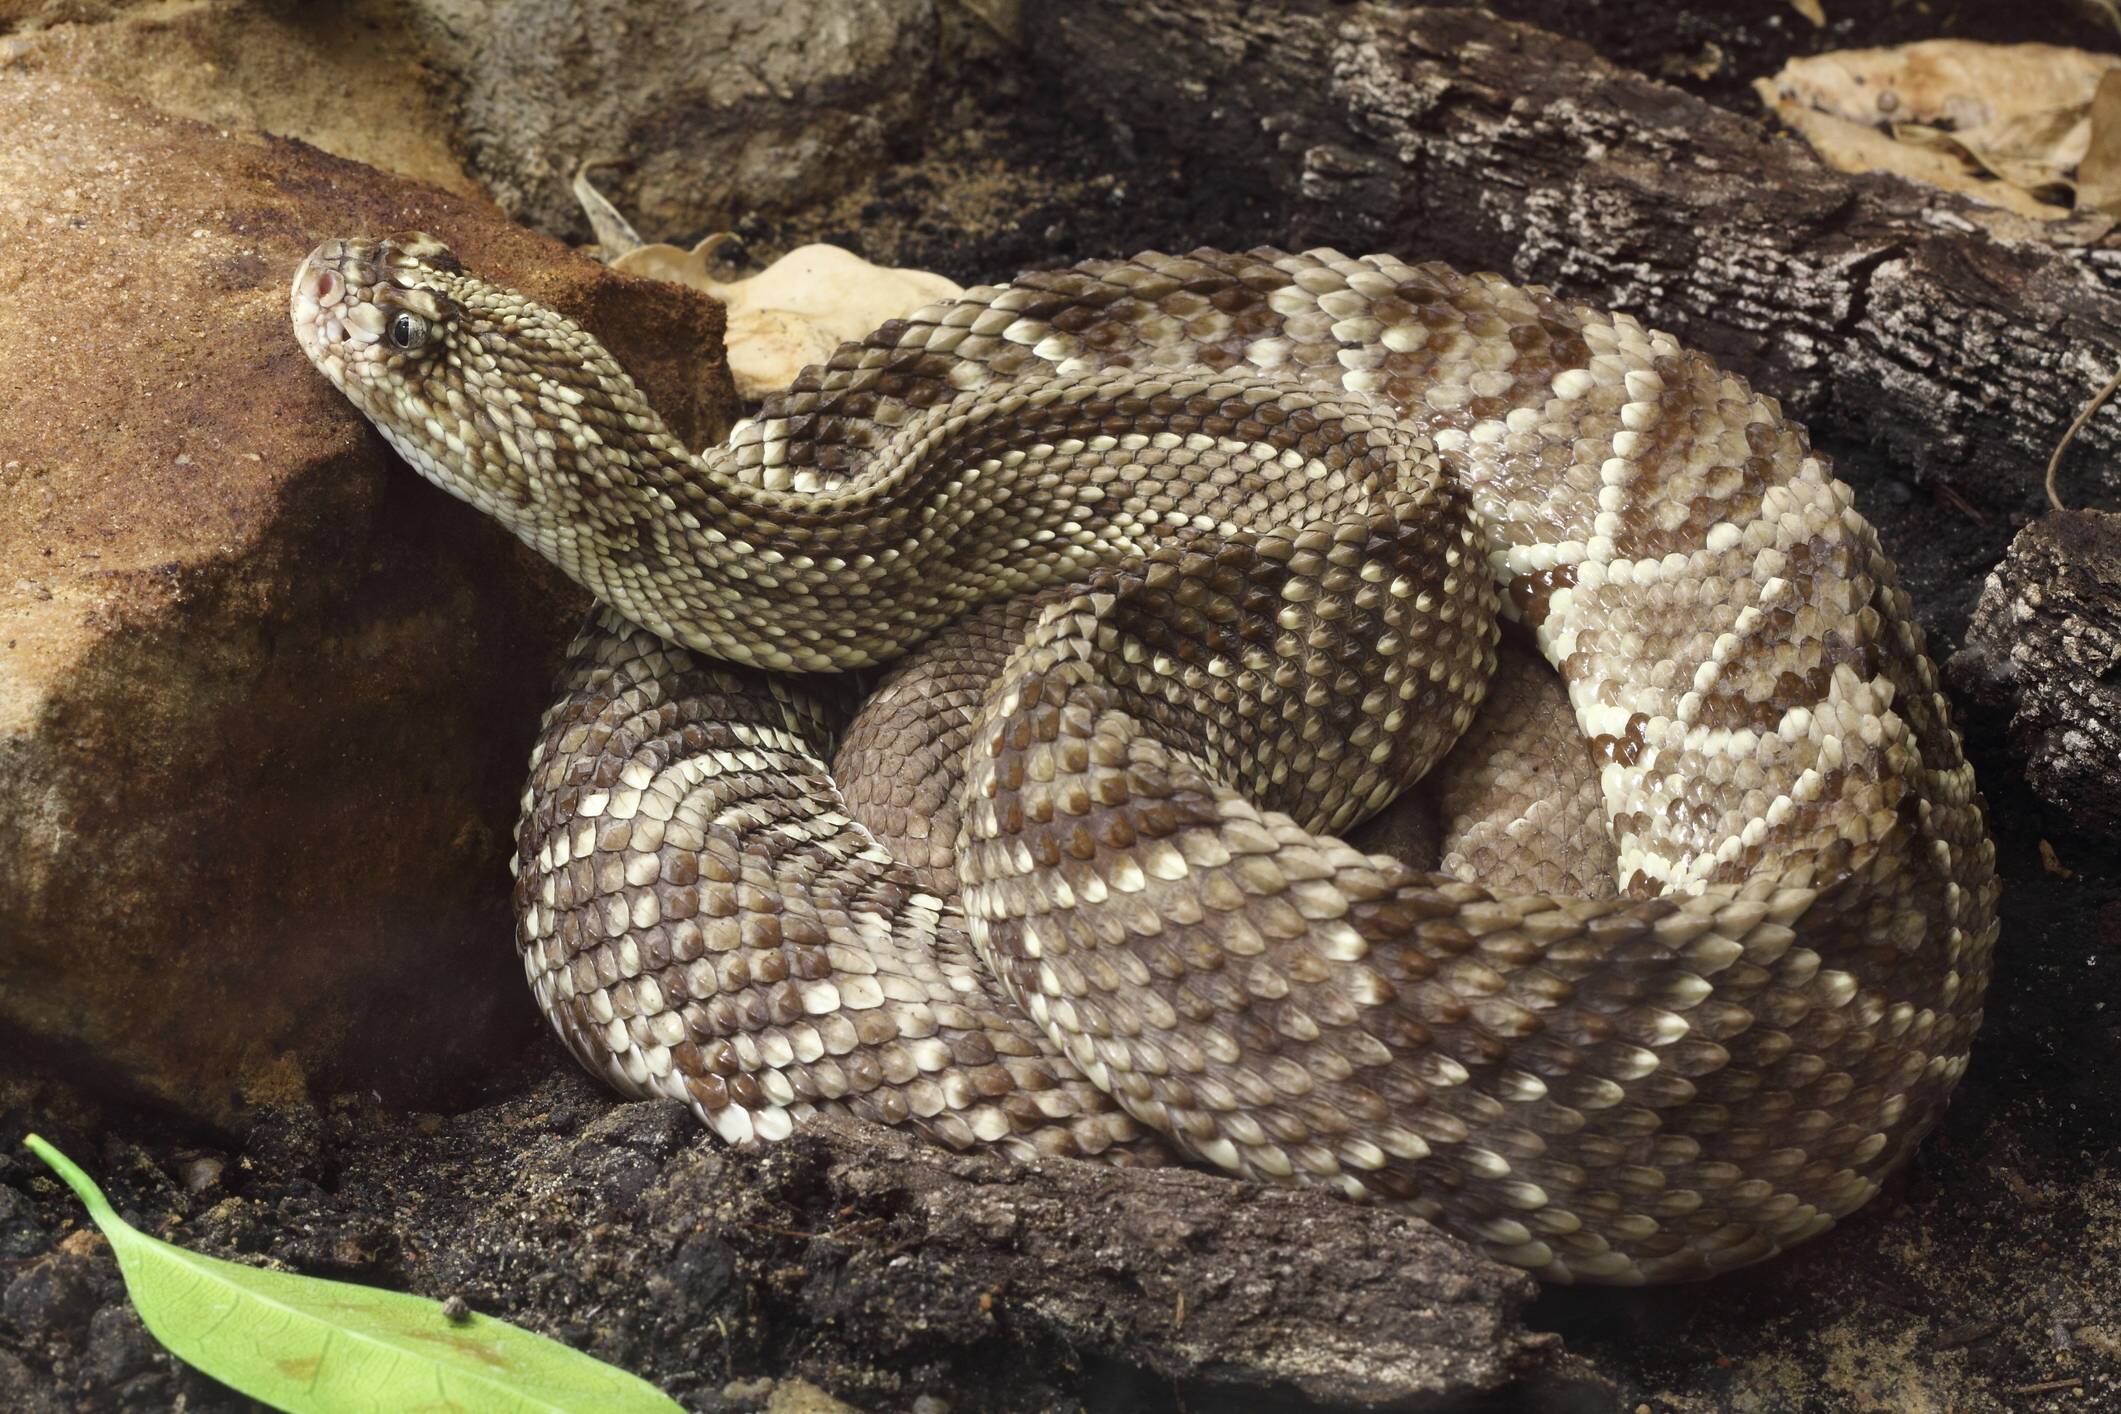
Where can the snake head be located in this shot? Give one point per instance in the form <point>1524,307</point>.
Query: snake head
<point>412,339</point>
<point>490,395</point>
<point>367,308</point>
<point>447,366</point>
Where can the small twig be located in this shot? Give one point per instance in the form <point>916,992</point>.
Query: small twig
<point>2048,1386</point>
<point>778,1231</point>
<point>2054,498</point>
<point>845,1233</point>
<point>904,1244</point>
<point>614,233</point>
<point>1950,493</point>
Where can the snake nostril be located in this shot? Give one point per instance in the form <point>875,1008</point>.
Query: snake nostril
<point>326,286</point>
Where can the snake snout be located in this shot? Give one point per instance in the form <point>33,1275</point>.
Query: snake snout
<point>317,300</point>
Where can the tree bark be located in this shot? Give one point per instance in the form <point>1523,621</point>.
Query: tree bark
<point>1241,1292</point>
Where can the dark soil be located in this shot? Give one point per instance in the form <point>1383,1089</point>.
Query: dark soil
<point>1990,1279</point>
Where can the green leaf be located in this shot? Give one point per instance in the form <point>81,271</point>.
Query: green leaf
<point>308,1346</point>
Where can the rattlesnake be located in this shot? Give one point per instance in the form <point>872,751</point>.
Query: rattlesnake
<point>1203,559</point>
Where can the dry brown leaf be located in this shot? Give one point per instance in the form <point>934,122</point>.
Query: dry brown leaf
<point>1811,10</point>
<point>1859,147</point>
<point>2099,174</point>
<point>2033,151</point>
<point>1961,113</point>
<point>798,309</point>
<point>788,316</point>
<point>1945,81</point>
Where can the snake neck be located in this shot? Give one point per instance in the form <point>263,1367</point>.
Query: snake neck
<point>613,500</point>
<point>766,552</point>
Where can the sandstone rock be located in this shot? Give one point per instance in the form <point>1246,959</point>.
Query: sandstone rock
<point>723,110</point>
<point>2044,652</point>
<point>353,79</point>
<point>724,107</point>
<point>265,697</point>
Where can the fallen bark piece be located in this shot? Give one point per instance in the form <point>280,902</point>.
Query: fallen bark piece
<point>861,1260</point>
<point>2044,653</point>
<point>1197,1278</point>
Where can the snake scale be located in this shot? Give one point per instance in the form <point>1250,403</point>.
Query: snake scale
<point>1192,563</point>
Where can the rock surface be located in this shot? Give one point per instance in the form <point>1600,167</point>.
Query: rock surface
<point>354,79</point>
<point>722,108</point>
<point>2044,653</point>
<point>719,111</point>
<point>265,698</point>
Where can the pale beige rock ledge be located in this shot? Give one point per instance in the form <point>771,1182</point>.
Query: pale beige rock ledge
<point>355,78</point>
<point>265,697</point>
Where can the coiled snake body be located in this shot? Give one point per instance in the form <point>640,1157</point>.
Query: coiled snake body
<point>1202,561</point>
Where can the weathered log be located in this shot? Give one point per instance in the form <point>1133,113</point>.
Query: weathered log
<point>1238,1291</point>
<point>1955,341</point>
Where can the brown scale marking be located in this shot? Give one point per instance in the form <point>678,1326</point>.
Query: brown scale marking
<point>1530,336</point>
<point>718,1057</point>
<point>1205,275</point>
<point>1049,304</point>
<point>1104,337</point>
<point>1625,749</point>
<point>784,1005</point>
<point>655,949</point>
<point>1533,594</point>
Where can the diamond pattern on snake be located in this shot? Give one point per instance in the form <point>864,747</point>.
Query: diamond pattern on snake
<point>1188,566</point>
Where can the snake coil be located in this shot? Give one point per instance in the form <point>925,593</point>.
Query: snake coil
<point>1196,562</point>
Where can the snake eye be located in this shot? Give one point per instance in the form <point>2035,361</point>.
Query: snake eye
<point>407,331</point>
